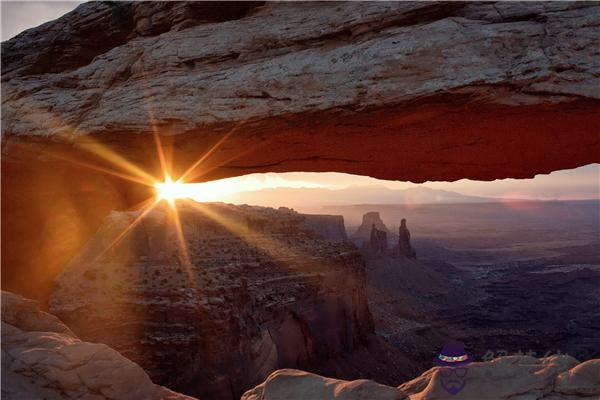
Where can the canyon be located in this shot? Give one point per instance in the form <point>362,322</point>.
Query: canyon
<point>221,301</point>
<point>42,358</point>
<point>520,278</point>
<point>250,290</point>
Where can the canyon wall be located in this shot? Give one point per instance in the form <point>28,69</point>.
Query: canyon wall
<point>330,227</point>
<point>41,357</point>
<point>217,317</point>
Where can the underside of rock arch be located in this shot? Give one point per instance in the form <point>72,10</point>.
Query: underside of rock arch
<point>404,91</point>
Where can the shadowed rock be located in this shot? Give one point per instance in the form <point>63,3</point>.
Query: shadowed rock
<point>376,246</point>
<point>43,359</point>
<point>404,247</point>
<point>552,378</point>
<point>370,220</point>
<point>411,91</point>
<point>243,300</point>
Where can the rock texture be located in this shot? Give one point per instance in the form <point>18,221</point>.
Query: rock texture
<point>552,378</point>
<point>470,89</point>
<point>292,384</point>
<point>43,359</point>
<point>255,291</point>
<point>372,237</point>
<point>397,90</point>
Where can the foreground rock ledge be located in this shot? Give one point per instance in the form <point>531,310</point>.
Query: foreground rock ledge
<point>552,378</point>
<point>43,359</point>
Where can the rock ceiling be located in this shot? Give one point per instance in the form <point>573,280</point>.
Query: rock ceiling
<point>406,91</point>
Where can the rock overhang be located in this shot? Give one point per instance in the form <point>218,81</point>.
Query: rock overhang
<point>403,91</point>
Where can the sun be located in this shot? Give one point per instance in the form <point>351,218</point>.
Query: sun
<point>170,190</point>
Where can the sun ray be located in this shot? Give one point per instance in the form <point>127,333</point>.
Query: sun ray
<point>107,154</point>
<point>143,212</point>
<point>182,244</point>
<point>269,244</point>
<point>208,169</point>
<point>161,155</point>
<point>209,152</point>
<point>89,144</point>
<point>84,164</point>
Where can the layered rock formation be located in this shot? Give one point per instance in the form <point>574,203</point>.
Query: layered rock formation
<point>404,248</point>
<point>43,359</point>
<point>397,90</point>
<point>387,70</point>
<point>217,317</point>
<point>552,378</point>
<point>364,232</point>
<point>330,227</point>
<point>376,243</point>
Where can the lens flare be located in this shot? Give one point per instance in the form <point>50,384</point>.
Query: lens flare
<point>170,190</point>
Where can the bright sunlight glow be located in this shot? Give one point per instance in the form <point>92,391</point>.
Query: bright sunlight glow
<point>223,189</point>
<point>170,190</point>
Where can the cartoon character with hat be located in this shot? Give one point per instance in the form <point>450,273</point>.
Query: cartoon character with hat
<point>454,361</point>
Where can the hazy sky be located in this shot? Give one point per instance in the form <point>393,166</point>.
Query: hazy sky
<point>20,15</point>
<point>578,183</point>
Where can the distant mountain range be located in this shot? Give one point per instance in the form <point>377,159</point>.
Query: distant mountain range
<point>353,195</point>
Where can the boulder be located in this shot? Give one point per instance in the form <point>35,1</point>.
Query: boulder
<point>514,377</point>
<point>290,384</point>
<point>583,380</point>
<point>43,359</point>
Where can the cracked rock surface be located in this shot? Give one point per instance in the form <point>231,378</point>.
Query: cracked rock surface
<point>43,359</point>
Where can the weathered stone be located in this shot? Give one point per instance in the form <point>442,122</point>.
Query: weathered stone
<point>395,70</point>
<point>502,379</point>
<point>241,302</point>
<point>396,90</point>
<point>583,380</point>
<point>292,384</point>
<point>370,220</point>
<point>43,359</point>
<point>404,248</point>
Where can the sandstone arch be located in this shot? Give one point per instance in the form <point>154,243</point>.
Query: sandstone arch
<point>407,91</point>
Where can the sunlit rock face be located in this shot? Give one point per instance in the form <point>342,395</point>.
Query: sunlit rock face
<point>258,291</point>
<point>395,90</point>
<point>43,359</point>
